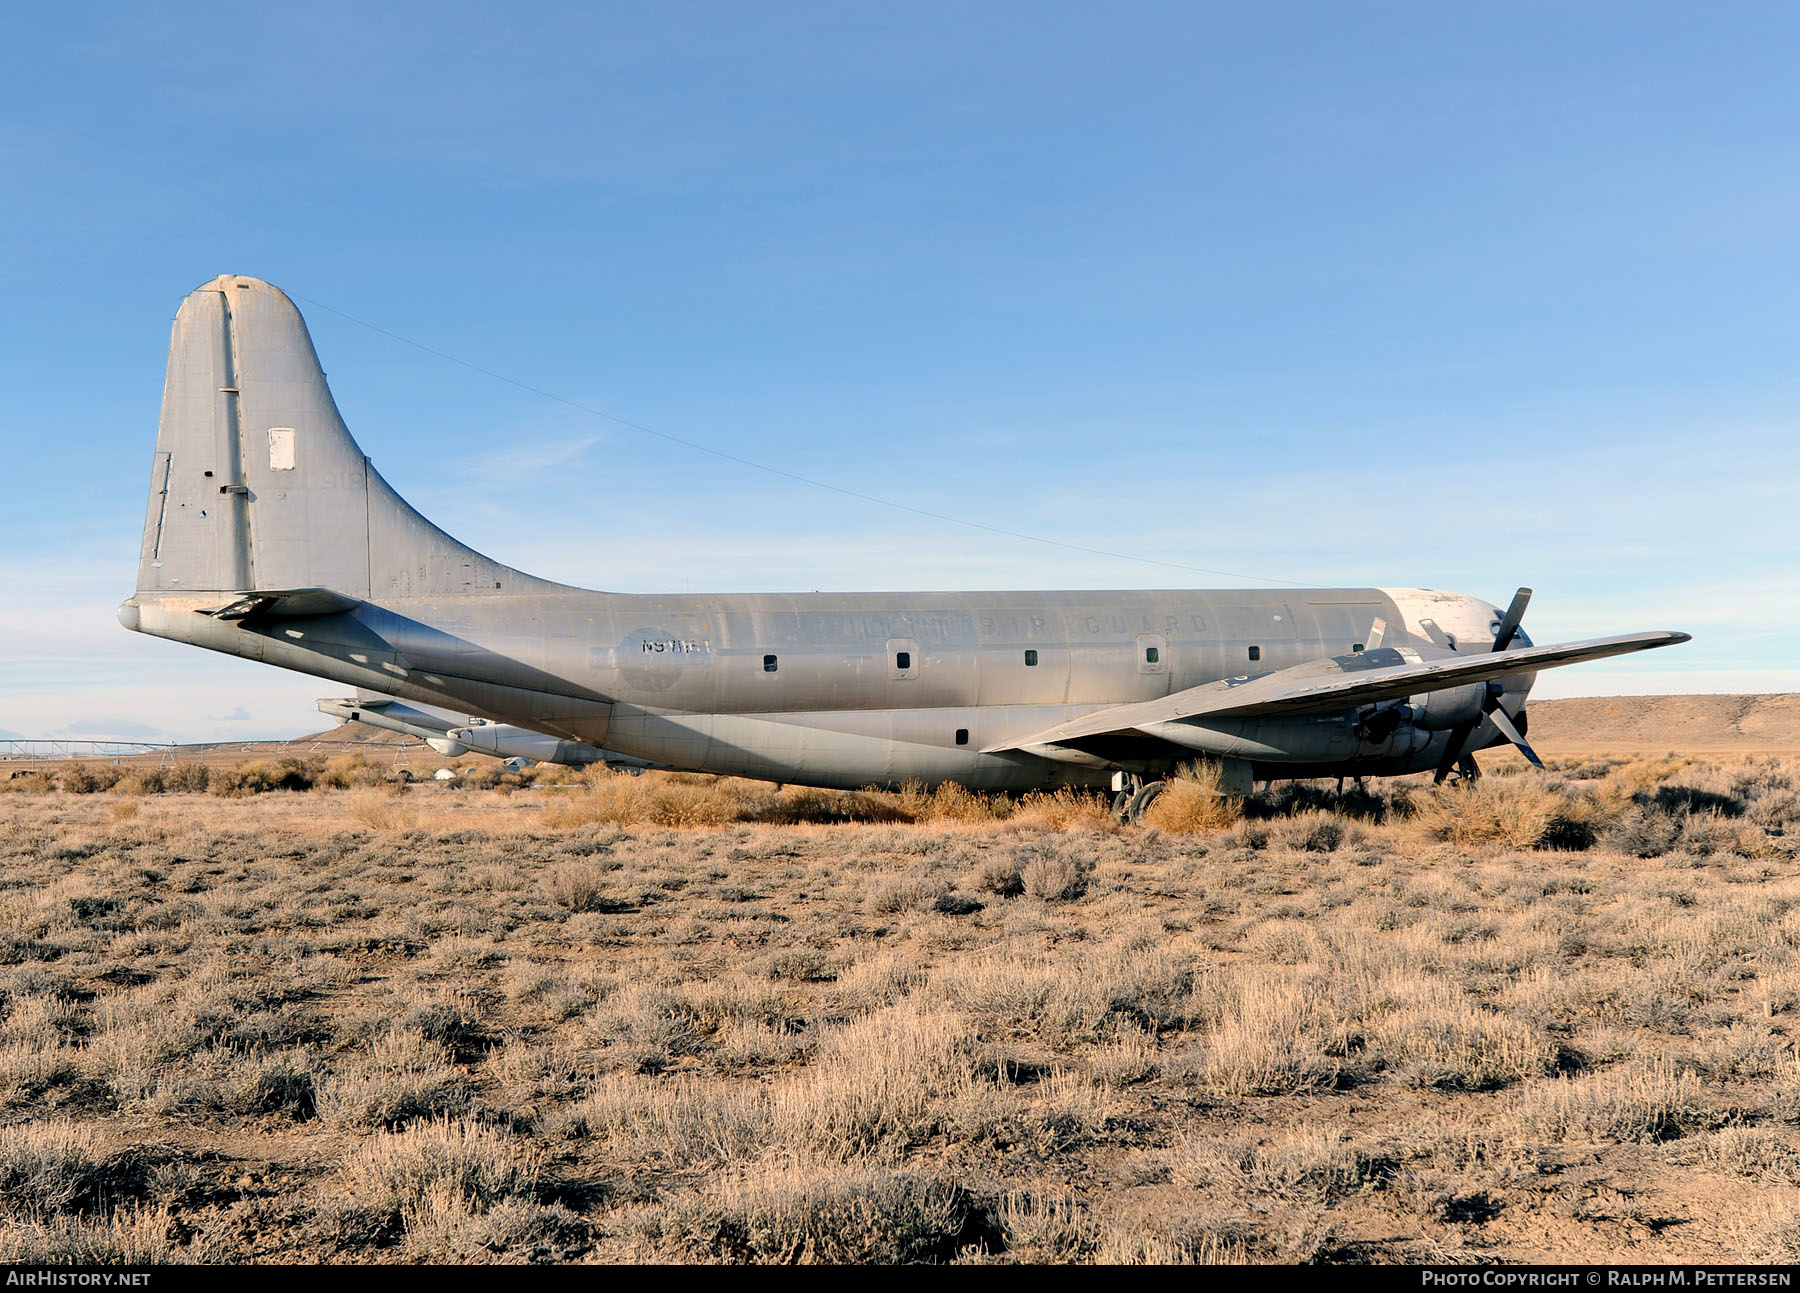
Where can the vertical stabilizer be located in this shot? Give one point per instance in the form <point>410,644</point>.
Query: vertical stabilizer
<point>257,483</point>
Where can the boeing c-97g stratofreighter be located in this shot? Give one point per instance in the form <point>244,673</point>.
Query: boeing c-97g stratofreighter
<point>270,536</point>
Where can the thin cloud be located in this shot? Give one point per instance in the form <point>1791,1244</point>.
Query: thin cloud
<point>519,461</point>
<point>113,729</point>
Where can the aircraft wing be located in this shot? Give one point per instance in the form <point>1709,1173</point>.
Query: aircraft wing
<point>1322,686</point>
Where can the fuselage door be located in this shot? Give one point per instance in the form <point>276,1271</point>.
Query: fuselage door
<point>903,658</point>
<point>1152,653</point>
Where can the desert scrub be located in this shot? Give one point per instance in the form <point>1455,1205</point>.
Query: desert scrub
<point>585,886</point>
<point>130,1236</point>
<point>1753,1153</point>
<point>431,1178</point>
<point>28,781</point>
<point>1088,997</point>
<point>1040,1226</point>
<point>1053,877</point>
<point>384,808</point>
<point>1192,802</point>
<point>1241,994</point>
<point>141,781</point>
<point>1064,810</point>
<point>1266,1034</point>
<point>1518,811</point>
<point>1302,1162</point>
<point>693,802</point>
<point>187,778</point>
<point>47,1168</point>
<point>678,1121</point>
<point>87,778</point>
<point>624,800</point>
<point>403,1077</point>
<point>1313,832</point>
<point>1646,1102</point>
<point>1440,1038</point>
<point>821,1214</point>
<point>952,803</point>
<point>349,771</point>
<point>1643,833</point>
<point>30,1069</point>
<point>886,1082</point>
<point>262,776</point>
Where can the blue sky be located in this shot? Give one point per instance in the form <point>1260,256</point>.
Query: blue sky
<point>1347,294</point>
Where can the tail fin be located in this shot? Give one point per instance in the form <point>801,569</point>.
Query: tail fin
<point>257,484</point>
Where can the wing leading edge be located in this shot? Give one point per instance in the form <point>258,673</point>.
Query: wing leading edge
<point>1321,686</point>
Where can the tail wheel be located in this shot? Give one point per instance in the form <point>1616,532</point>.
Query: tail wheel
<point>1141,801</point>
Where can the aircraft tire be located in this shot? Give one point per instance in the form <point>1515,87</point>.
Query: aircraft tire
<point>1121,806</point>
<point>1141,801</point>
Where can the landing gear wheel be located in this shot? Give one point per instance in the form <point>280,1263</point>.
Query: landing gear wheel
<point>1121,806</point>
<point>1129,783</point>
<point>1141,801</point>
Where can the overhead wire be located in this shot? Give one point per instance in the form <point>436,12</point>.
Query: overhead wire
<point>699,447</point>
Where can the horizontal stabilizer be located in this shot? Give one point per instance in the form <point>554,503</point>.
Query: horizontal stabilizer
<point>289,603</point>
<point>1324,686</point>
<point>422,721</point>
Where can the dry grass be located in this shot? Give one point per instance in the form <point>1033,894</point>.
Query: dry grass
<point>668,1018</point>
<point>584,798</point>
<point>1193,804</point>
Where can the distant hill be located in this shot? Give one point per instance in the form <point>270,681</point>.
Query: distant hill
<point>1663,724</point>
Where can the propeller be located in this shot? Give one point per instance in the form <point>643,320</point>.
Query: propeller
<point>1490,707</point>
<point>1513,734</point>
<point>1509,623</point>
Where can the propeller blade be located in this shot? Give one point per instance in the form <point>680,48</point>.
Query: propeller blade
<point>1513,734</point>
<point>1509,625</point>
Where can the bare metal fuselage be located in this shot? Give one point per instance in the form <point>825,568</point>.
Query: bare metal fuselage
<point>269,535</point>
<point>810,688</point>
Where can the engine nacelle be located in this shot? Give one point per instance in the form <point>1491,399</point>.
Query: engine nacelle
<point>1430,711</point>
<point>1439,711</point>
<point>1402,739</point>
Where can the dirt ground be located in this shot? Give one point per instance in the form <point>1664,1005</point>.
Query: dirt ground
<point>1624,725</point>
<point>605,1018</point>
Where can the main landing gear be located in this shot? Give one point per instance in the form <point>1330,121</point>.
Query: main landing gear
<point>1132,797</point>
<point>1466,773</point>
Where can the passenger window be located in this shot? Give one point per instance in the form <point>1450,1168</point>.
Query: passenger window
<point>903,659</point>
<point>1030,659</point>
<point>962,736</point>
<point>768,664</point>
<point>1151,655</point>
<point>1256,653</point>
